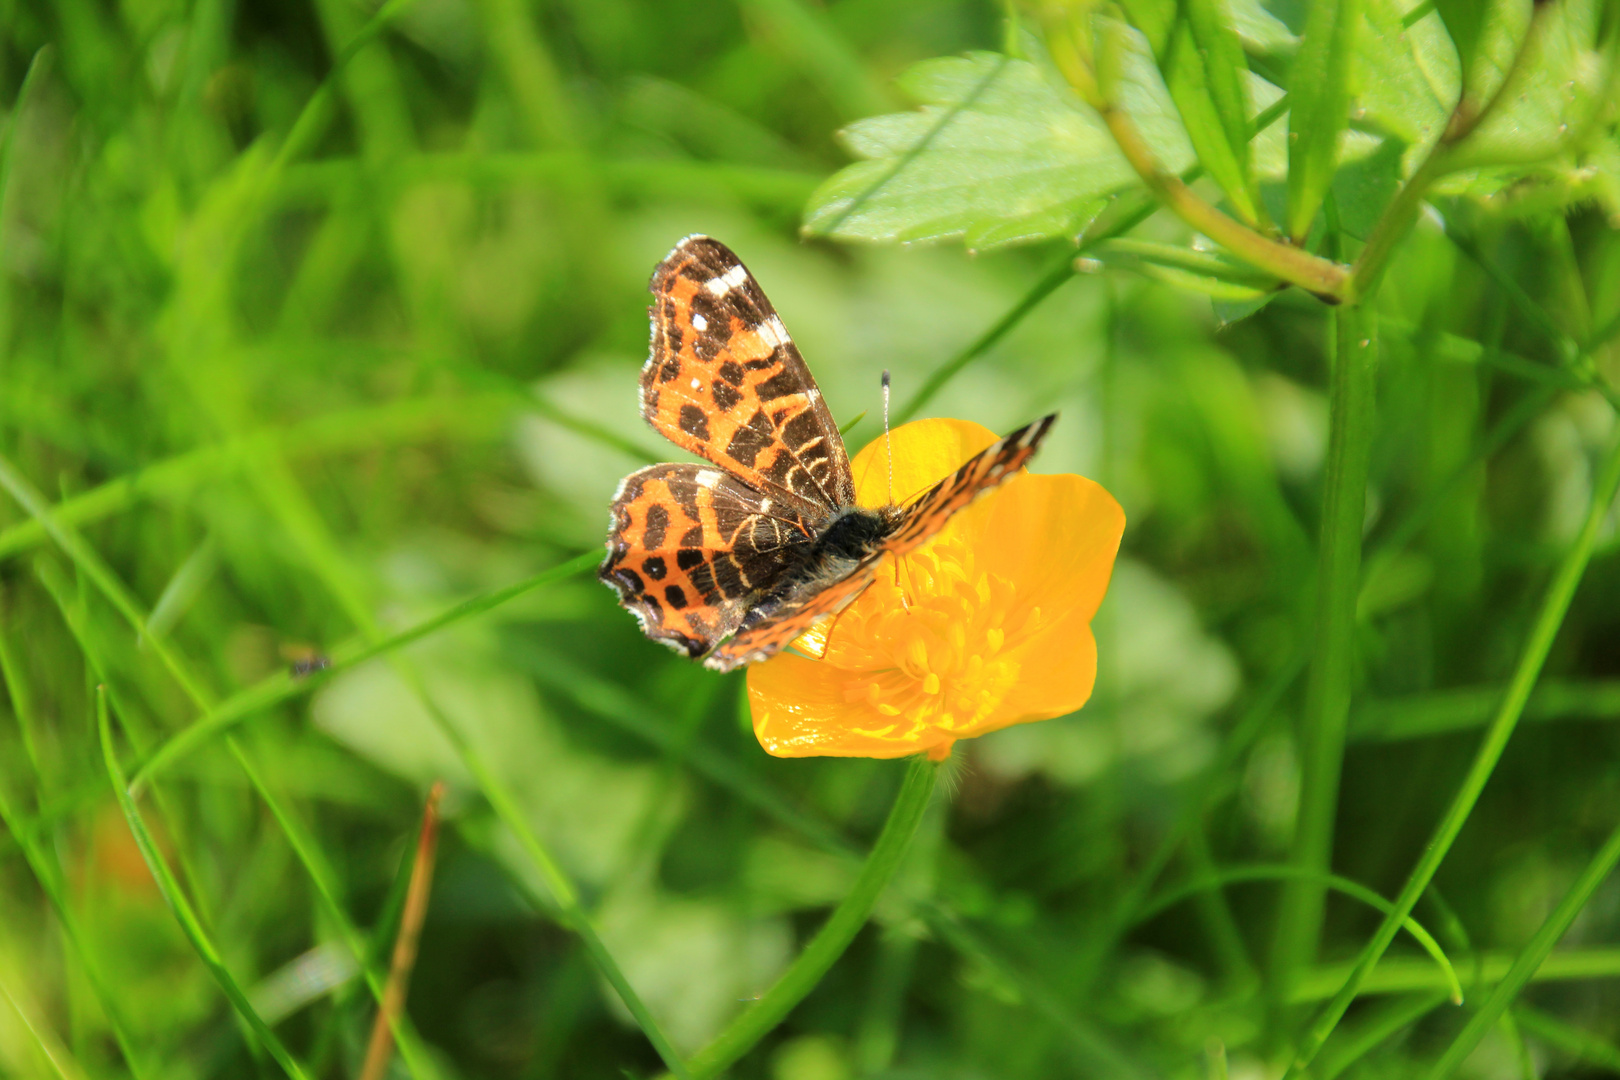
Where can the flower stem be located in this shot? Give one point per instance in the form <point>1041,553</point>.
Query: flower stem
<point>1554,605</point>
<point>1338,580</point>
<point>834,936</point>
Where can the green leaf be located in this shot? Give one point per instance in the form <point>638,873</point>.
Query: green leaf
<point>1319,89</point>
<point>1406,77</point>
<point>1207,75</point>
<point>1259,30</point>
<point>997,154</point>
<point>1486,35</point>
<point>1554,92</point>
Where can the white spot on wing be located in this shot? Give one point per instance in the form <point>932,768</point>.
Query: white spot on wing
<point>736,276</point>
<point>773,332</point>
<point>708,478</point>
<point>764,506</point>
<point>813,394</point>
<point>696,385</point>
<point>699,323</point>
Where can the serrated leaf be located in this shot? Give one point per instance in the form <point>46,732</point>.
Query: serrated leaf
<point>1552,91</point>
<point>998,152</point>
<point>1208,272</point>
<point>1319,88</point>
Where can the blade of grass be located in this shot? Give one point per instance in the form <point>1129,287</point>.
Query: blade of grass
<point>1399,1016</point>
<point>45,1040</point>
<point>22,702</point>
<point>417,1060</point>
<point>835,934</point>
<point>1572,1040</point>
<point>303,845</point>
<point>1402,975</point>
<point>1338,586</point>
<point>292,508</point>
<point>284,685</point>
<point>1531,957</point>
<point>41,862</point>
<point>346,429</point>
<point>1555,603</point>
<point>392,1007</point>
<point>179,905</point>
<point>1234,874</point>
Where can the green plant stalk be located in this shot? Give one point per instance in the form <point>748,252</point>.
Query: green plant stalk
<point>1405,975</point>
<point>46,1041</point>
<point>835,934</point>
<point>183,913</point>
<point>1338,586</point>
<point>41,862</point>
<point>22,702</point>
<point>1572,1040</point>
<point>1235,874</point>
<point>1550,617</point>
<point>282,686</point>
<point>1398,1017</point>
<point>1530,958</point>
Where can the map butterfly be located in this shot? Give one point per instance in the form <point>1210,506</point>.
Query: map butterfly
<point>733,562</point>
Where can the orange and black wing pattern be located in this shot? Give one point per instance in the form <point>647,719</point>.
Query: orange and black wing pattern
<point>927,513</point>
<point>725,381</point>
<point>689,549</point>
<point>766,631</point>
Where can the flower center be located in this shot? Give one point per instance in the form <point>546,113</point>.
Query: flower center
<point>931,646</point>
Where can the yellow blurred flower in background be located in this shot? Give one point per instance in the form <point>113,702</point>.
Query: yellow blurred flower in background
<point>987,626</point>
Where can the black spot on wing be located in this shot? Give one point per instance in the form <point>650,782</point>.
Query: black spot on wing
<point>750,439</point>
<point>657,525</point>
<point>676,596</point>
<point>653,566</point>
<point>695,422</point>
<point>732,372</point>
<point>725,397</point>
<point>782,384</point>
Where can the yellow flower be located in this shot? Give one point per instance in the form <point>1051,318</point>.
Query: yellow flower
<point>987,626</point>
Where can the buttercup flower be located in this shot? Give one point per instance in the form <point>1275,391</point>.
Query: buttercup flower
<point>987,626</point>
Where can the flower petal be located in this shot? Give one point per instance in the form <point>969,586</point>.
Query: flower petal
<point>800,710</point>
<point>925,451</point>
<point>1055,537</point>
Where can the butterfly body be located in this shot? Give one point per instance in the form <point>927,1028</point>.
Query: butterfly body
<point>731,562</point>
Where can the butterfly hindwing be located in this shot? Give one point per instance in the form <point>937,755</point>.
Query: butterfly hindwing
<point>767,631</point>
<point>725,381</point>
<point>689,549</point>
<point>927,513</point>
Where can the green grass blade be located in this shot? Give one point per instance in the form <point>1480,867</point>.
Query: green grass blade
<point>1555,603</point>
<point>179,905</point>
<point>1338,587</point>
<point>1399,1016</point>
<point>835,934</point>
<point>1235,874</point>
<point>1319,84</point>
<point>45,1040</point>
<point>417,1060</point>
<point>1531,957</point>
<point>283,686</point>
<point>1572,1040</point>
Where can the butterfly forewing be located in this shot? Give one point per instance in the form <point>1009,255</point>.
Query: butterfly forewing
<point>725,381</point>
<point>927,513</point>
<point>765,632</point>
<point>690,547</point>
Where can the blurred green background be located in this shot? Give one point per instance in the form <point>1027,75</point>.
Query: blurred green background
<point>314,326</point>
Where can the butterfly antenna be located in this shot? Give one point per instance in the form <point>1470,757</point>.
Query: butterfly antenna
<point>888,444</point>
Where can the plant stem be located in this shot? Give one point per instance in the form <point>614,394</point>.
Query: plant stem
<point>1525,965</point>
<point>834,936</point>
<point>1551,616</point>
<point>1338,581</point>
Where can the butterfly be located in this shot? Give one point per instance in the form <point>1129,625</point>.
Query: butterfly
<point>733,562</point>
